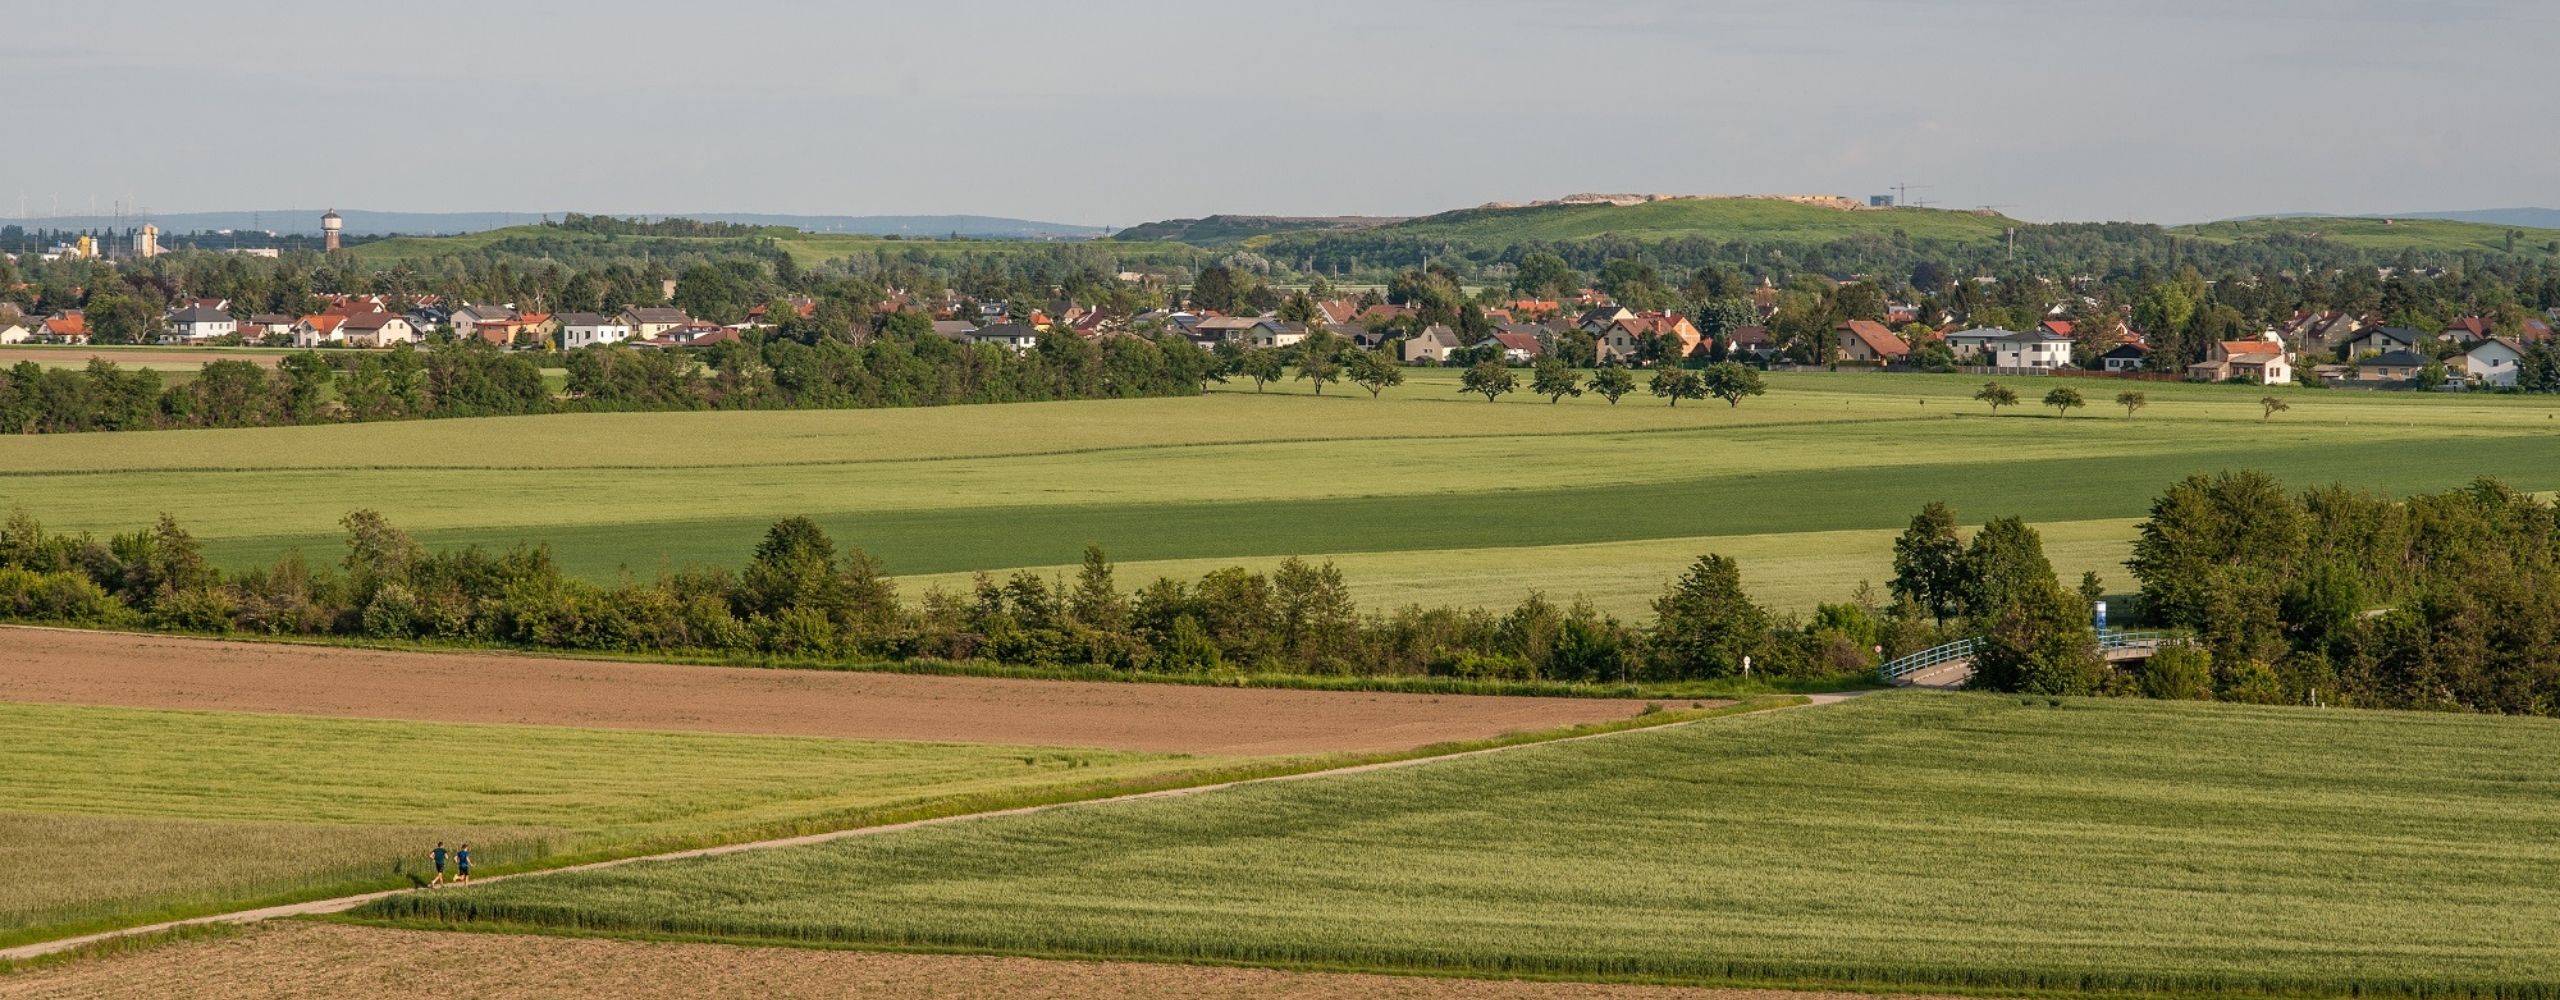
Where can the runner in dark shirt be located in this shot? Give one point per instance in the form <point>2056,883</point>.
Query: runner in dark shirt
<point>438,854</point>
<point>462,864</point>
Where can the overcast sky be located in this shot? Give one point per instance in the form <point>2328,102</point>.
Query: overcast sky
<point>1122,111</point>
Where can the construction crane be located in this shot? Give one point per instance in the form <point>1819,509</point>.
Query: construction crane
<point>1902,194</point>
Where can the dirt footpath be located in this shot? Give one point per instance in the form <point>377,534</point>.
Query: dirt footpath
<point>296,960</point>
<point>96,668</point>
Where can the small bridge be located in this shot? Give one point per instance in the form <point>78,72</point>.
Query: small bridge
<point>1950,665</point>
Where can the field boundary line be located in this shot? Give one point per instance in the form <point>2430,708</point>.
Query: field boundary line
<point>341,904</point>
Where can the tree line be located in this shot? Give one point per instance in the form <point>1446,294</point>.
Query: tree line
<point>908,366</point>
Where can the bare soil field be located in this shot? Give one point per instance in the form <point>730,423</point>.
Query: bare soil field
<point>166,359</point>
<point>295,959</point>
<point>142,671</point>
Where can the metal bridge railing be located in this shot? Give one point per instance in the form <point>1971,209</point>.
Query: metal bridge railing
<point>1906,665</point>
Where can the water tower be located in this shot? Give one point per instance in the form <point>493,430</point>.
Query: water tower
<point>329,226</point>
<point>150,243</point>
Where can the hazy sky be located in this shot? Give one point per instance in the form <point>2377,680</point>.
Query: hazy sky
<point>1121,111</point>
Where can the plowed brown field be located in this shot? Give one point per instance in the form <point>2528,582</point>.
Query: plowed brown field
<point>296,960</point>
<point>141,671</point>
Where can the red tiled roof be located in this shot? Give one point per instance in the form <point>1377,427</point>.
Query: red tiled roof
<point>1878,339</point>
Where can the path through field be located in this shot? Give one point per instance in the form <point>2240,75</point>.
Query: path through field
<point>304,959</point>
<point>145,671</point>
<point>345,903</point>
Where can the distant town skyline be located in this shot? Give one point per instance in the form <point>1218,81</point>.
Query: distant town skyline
<point>1118,112</point>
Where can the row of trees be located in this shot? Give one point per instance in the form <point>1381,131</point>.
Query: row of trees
<point>904,367</point>
<point>799,595</point>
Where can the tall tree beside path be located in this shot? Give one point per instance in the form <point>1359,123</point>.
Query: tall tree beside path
<point>1997,395</point>
<point>1372,371</point>
<point>1554,379</point>
<point>1676,384</point>
<point>1489,378</point>
<point>2131,401</point>
<point>1613,381</point>
<point>2064,399</point>
<point>1731,381</point>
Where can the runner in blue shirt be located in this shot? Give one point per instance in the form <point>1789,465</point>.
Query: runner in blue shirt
<point>438,854</point>
<point>462,864</point>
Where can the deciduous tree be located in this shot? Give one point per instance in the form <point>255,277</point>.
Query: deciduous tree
<point>1488,378</point>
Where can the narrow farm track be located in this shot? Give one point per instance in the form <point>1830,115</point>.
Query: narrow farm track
<point>342,904</point>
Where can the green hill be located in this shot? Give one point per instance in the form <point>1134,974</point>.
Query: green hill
<point>1228,230</point>
<point>806,248</point>
<point>1758,219</point>
<point>2380,234</point>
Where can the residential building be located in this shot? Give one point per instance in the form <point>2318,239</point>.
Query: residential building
<point>1866,341</point>
<point>1016,337</point>
<point>1598,319</point>
<point>2493,361</point>
<point>200,323</point>
<point>467,319</point>
<point>1519,348</point>
<point>1974,345</point>
<point>648,322</point>
<point>377,329</point>
<point>2037,350</point>
<point>1277,333</point>
<point>2391,366</point>
<point>71,326</point>
<point>2261,361</point>
<point>1434,345</point>
<point>2383,340</point>
<point>318,329</point>
<point>1360,336</point>
<point>2467,330</point>
<point>16,333</point>
<point>581,329</point>
<point>271,325</point>
<point>2125,357</point>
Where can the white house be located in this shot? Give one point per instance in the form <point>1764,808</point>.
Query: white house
<point>199,323</point>
<point>589,329</point>
<point>2491,362</point>
<point>1433,345</point>
<point>1278,334</point>
<point>314,331</point>
<point>377,329</point>
<point>16,333</point>
<point>1967,345</point>
<point>2034,350</point>
<point>652,321</point>
<point>472,315</point>
<point>1015,337</point>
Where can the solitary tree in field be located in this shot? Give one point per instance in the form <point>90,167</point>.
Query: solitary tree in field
<point>1320,367</point>
<point>1554,379</point>
<point>1261,364</point>
<point>1997,395</point>
<point>1490,378</point>
<point>1372,371</point>
<point>1928,562</point>
<point>1612,382</point>
<point>2131,401</point>
<point>2270,406</point>
<point>1730,381</point>
<point>2064,399</point>
<point>1676,384</point>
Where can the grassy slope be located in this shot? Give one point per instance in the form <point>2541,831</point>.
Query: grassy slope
<point>133,813</point>
<point>1907,840</point>
<point>2372,234</point>
<point>1757,220</point>
<point>807,248</point>
<point>1577,497</point>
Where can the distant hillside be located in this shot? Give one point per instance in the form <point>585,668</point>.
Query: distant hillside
<point>807,248</point>
<point>1758,219</point>
<point>1227,230</point>
<point>2375,233</point>
<point>2529,218</point>
<point>361,222</point>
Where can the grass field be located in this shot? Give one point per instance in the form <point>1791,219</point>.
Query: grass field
<point>1901,841</point>
<point>1755,219</point>
<point>120,816</point>
<point>1435,496</point>
<point>2379,234</point>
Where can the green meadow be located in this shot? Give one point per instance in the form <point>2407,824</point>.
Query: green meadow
<point>1905,841</point>
<point>1425,495</point>
<point>123,816</point>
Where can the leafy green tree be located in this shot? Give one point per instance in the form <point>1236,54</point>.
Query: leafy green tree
<point>1319,366</point>
<point>1676,384</point>
<point>1929,563</point>
<point>1612,382</point>
<point>1372,371</point>
<point>1215,289</point>
<point>1489,378</point>
<point>2269,406</point>
<point>2064,399</point>
<point>1553,379</point>
<point>1731,381</point>
<point>1543,275</point>
<point>2131,401</point>
<point>2040,643</point>
<point>1997,395</point>
<point>2003,568</point>
<point>1704,624</point>
<point>1261,364</point>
